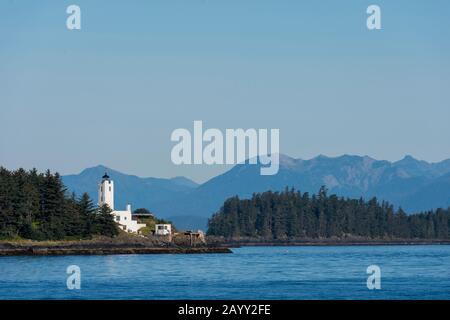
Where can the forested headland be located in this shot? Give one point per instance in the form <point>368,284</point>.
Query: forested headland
<point>292,214</point>
<point>35,206</point>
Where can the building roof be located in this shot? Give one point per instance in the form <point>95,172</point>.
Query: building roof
<point>105,177</point>
<point>134,214</point>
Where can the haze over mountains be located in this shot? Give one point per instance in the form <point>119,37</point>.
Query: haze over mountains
<point>412,184</point>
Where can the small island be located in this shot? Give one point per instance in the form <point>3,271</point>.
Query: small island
<point>291,218</point>
<point>37,217</point>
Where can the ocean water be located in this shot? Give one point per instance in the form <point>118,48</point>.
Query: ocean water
<point>407,272</point>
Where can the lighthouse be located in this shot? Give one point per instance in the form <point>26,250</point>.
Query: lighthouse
<point>124,218</point>
<point>106,192</point>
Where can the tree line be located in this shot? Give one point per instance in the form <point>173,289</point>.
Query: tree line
<point>292,214</point>
<point>36,206</point>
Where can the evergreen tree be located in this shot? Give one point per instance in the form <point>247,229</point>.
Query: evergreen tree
<point>104,223</point>
<point>87,210</point>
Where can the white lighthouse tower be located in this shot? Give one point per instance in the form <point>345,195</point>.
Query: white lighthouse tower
<point>106,192</point>
<point>124,218</point>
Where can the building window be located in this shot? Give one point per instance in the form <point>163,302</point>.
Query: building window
<point>118,218</point>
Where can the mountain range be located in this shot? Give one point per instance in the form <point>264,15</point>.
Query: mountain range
<point>413,184</point>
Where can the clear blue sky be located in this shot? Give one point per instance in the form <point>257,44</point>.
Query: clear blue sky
<point>113,92</point>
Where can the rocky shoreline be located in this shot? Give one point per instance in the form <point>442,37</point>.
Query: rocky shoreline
<point>108,251</point>
<point>101,247</point>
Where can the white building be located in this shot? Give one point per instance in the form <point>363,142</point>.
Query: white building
<point>123,218</point>
<point>163,229</point>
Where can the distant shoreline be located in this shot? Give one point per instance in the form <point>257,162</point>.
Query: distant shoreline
<point>330,243</point>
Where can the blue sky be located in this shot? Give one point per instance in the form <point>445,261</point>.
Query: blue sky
<point>113,92</point>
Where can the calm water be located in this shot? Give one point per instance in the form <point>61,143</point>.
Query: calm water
<point>408,272</point>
